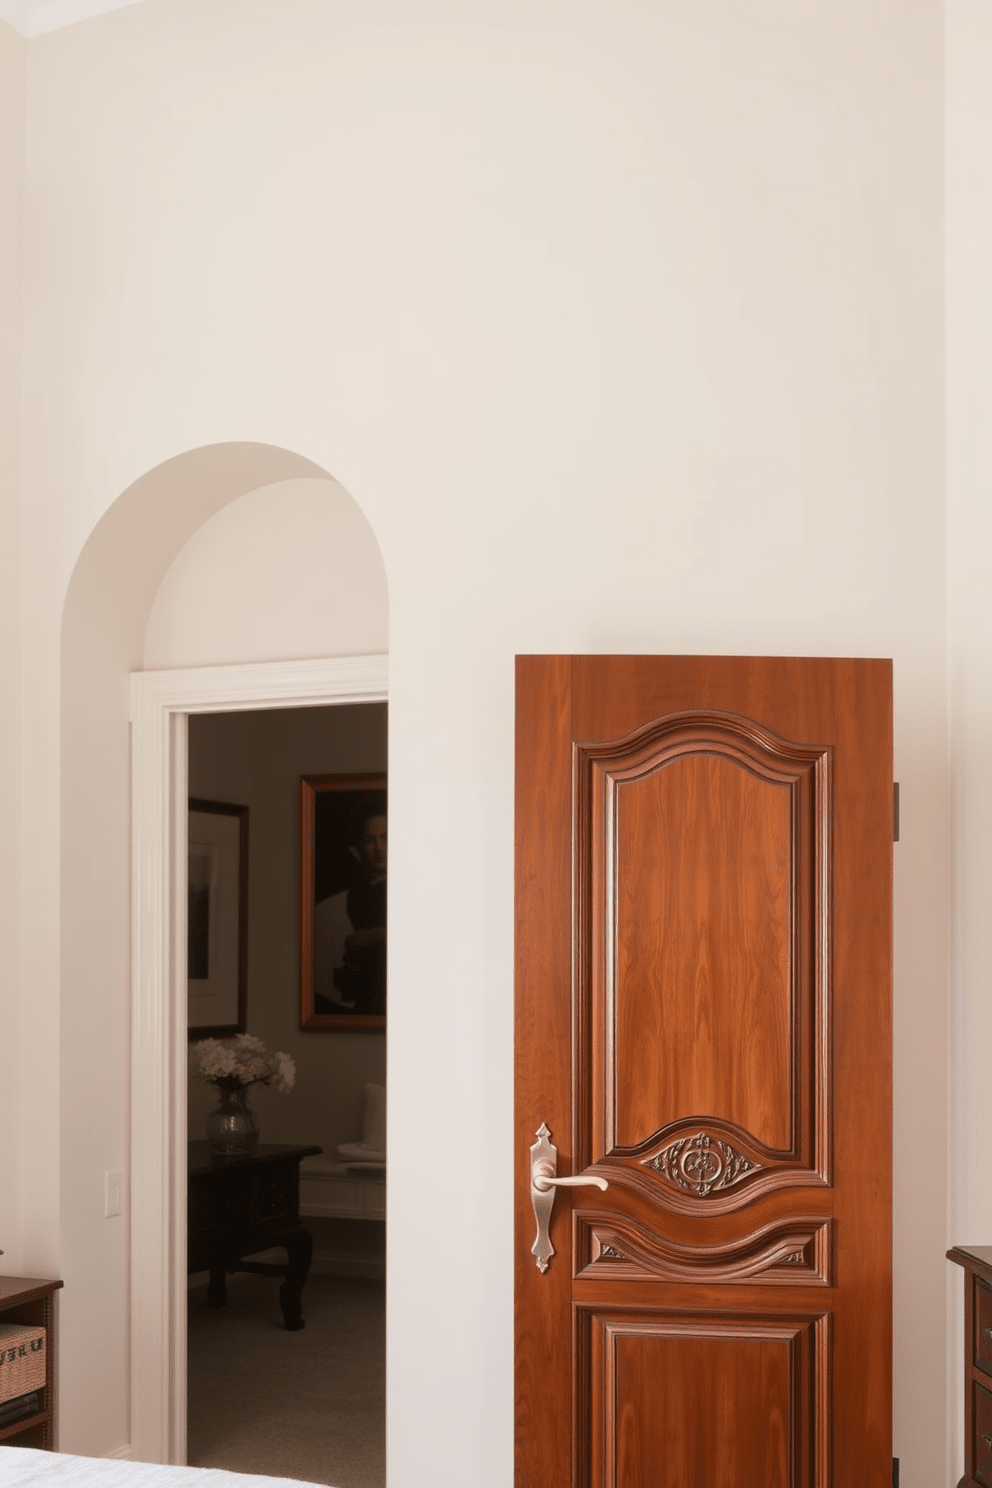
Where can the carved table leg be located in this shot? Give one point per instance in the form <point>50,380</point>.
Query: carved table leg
<point>299,1249</point>
<point>217,1289</point>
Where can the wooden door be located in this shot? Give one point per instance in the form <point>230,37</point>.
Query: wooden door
<point>703,1019</point>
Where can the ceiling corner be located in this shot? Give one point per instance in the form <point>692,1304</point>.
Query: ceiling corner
<point>17,13</point>
<point>35,17</point>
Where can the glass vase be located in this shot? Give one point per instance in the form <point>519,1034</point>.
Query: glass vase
<point>232,1130</point>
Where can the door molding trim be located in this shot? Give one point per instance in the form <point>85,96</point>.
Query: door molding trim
<point>160,703</point>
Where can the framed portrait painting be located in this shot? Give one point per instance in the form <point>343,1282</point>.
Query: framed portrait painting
<point>343,863</point>
<point>217,919</point>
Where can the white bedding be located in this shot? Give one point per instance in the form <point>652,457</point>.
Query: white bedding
<point>26,1467</point>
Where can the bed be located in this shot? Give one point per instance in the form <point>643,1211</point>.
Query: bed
<point>27,1467</point>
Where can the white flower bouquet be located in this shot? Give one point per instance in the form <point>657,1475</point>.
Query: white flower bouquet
<point>239,1063</point>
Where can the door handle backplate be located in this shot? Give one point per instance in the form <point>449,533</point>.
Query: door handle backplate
<point>543,1182</point>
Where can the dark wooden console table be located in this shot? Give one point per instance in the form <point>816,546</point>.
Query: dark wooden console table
<point>27,1299</point>
<point>241,1205</point>
<point>977,1263</point>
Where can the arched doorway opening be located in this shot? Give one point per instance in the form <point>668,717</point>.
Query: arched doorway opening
<point>121,1092</point>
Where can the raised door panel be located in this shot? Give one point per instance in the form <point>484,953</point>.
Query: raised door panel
<point>786,1252</point>
<point>701,846</point>
<point>724,1402</point>
<point>702,976</point>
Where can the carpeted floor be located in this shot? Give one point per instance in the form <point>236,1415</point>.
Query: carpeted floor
<point>307,1405</point>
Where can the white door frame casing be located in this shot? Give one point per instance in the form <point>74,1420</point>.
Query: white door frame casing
<point>160,704</point>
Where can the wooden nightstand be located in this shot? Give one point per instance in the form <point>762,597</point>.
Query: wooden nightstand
<point>27,1299</point>
<point>239,1206</point>
<point>977,1263</point>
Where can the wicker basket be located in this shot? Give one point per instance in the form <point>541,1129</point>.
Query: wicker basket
<point>22,1359</point>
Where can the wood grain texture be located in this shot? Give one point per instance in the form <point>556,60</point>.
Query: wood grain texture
<point>543,1341</point>
<point>983,1326</point>
<point>982,1444</point>
<point>703,973</point>
<point>702,868</point>
<point>784,1253</point>
<point>701,854</point>
<point>977,1263</point>
<point>715,1400</point>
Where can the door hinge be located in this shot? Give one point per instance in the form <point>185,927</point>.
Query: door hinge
<point>895,1460</point>
<point>895,838</point>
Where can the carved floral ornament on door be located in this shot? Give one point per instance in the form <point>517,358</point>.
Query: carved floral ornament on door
<point>701,1163</point>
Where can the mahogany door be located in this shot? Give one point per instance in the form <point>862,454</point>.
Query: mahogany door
<point>703,1019</point>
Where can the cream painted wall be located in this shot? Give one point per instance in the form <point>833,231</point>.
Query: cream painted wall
<point>625,331</point>
<point>256,760</point>
<point>291,570</point>
<point>13,63</point>
<point>969,437</point>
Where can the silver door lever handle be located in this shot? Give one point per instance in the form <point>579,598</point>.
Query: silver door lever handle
<point>543,1167</point>
<point>543,1181</point>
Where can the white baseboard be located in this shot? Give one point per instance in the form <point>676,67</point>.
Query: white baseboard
<point>356,1263</point>
<point>120,1454</point>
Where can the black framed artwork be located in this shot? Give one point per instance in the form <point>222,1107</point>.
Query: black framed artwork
<point>217,919</point>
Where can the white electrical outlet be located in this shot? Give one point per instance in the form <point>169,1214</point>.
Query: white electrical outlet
<point>112,1193</point>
